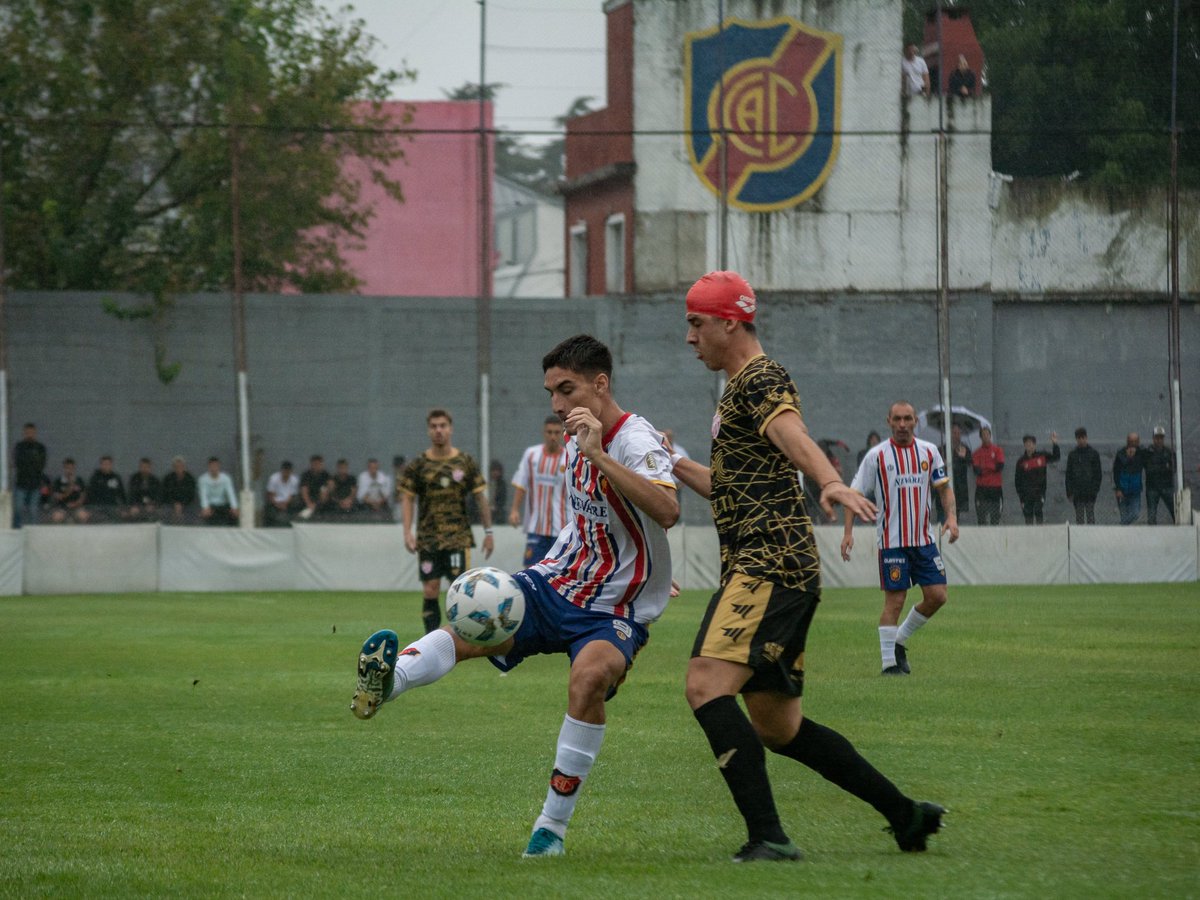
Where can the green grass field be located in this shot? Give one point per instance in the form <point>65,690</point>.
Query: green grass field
<point>201,745</point>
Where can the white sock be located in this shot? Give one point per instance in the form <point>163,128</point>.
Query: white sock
<point>578,745</point>
<point>912,622</point>
<point>423,661</point>
<point>887,644</point>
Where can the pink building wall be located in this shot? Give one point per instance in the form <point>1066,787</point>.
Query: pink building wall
<point>427,246</point>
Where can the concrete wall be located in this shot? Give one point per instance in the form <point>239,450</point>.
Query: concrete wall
<point>354,376</point>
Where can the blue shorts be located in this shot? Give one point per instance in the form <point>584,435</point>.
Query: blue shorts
<point>537,547</point>
<point>552,625</point>
<point>902,567</point>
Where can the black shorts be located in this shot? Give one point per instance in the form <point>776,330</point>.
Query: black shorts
<point>448,564</point>
<point>761,625</point>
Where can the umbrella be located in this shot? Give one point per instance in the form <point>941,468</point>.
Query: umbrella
<point>930,423</point>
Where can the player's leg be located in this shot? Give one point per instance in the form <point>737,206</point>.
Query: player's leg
<point>596,669</point>
<point>385,670</point>
<point>895,580</point>
<point>777,718</point>
<point>928,571</point>
<point>730,642</point>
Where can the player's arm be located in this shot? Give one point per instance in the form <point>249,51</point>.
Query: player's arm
<point>518,504</point>
<point>695,475</point>
<point>656,500</point>
<point>485,516</point>
<point>406,517</point>
<point>951,524</point>
<point>787,431</point>
<point>864,475</point>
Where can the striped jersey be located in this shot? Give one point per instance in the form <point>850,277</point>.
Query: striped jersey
<point>611,556</point>
<point>900,481</point>
<point>543,478</point>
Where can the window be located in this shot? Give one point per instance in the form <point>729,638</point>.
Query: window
<point>578,261</point>
<point>614,254</point>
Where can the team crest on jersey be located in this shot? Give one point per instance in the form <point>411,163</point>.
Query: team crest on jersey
<point>763,109</point>
<point>716,424</point>
<point>651,463</point>
<point>924,465</point>
<point>458,475</point>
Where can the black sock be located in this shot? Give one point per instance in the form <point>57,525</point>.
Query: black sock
<point>431,615</point>
<point>834,758</point>
<point>743,764</point>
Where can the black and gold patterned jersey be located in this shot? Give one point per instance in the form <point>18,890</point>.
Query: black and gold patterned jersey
<point>757,502</point>
<point>441,488</point>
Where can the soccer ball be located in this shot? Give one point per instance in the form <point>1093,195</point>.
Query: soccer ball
<point>485,606</point>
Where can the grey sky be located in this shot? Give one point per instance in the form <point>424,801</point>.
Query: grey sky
<point>547,52</point>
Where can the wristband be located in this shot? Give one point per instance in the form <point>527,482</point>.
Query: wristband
<point>675,458</point>
<point>487,531</point>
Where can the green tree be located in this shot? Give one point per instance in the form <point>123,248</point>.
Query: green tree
<point>1085,85</point>
<point>536,165</point>
<point>118,119</point>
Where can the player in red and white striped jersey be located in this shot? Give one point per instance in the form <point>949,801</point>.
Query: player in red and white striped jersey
<point>540,492</point>
<point>901,474</point>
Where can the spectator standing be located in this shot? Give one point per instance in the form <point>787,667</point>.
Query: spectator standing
<point>1029,476</point>
<point>962,80</point>
<point>497,489</point>
<point>1160,476</point>
<point>314,484</point>
<point>145,491</point>
<point>106,492</point>
<point>218,499</point>
<point>343,490</point>
<point>29,463</point>
<point>988,463</point>
<point>960,462</point>
<point>283,497</point>
<point>914,74</point>
<point>1084,474</point>
<point>540,492</point>
<point>375,490</point>
<point>67,496</point>
<point>872,439</point>
<point>1128,468</point>
<point>178,490</point>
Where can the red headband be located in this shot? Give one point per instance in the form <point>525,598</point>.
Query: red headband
<point>725,295</point>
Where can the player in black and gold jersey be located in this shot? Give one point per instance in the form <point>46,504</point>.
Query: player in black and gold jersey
<point>752,638</point>
<point>439,481</point>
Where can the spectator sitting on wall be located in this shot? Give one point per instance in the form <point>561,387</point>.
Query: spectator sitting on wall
<point>962,80</point>
<point>218,499</point>
<point>67,496</point>
<point>145,491</point>
<point>314,484</point>
<point>914,74</point>
<point>343,491</point>
<point>283,497</point>
<point>178,491</point>
<point>375,491</point>
<point>29,460</point>
<point>106,497</point>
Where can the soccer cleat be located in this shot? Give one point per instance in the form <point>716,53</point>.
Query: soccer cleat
<point>375,666</point>
<point>766,851</point>
<point>544,842</point>
<point>926,820</point>
<point>894,670</point>
<point>902,658</point>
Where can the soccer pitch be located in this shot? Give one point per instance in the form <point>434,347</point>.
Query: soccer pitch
<point>202,745</point>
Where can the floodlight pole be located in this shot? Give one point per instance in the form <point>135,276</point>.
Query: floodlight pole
<point>246,496</point>
<point>943,286</point>
<point>722,148</point>
<point>1183,503</point>
<point>6,496</point>
<point>483,312</point>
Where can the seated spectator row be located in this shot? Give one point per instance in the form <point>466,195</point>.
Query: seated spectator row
<point>319,495</point>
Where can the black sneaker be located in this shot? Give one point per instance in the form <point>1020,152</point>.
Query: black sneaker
<point>902,658</point>
<point>759,851</point>
<point>926,820</point>
<point>894,670</point>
